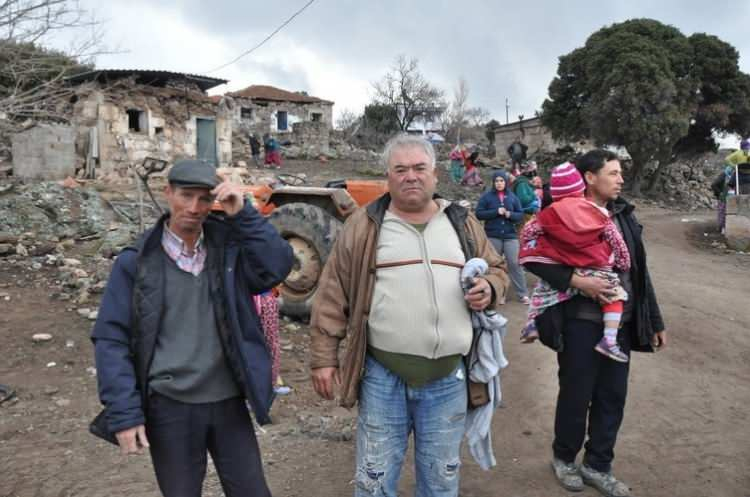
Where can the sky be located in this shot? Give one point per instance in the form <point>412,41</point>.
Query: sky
<point>336,49</point>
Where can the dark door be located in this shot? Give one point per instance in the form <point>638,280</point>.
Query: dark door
<point>206,130</point>
<point>281,119</point>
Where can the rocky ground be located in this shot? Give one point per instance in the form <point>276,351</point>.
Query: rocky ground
<point>684,425</point>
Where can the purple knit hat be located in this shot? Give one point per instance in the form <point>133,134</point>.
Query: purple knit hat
<point>745,144</point>
<point>566,181</point>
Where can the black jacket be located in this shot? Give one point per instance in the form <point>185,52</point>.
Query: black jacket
<point>646,318</point>
<point>246,256</point>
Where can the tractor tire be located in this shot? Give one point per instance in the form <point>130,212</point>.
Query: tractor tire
<point>311,231</point>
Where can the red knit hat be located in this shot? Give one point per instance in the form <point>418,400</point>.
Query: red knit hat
<point>566,181</point>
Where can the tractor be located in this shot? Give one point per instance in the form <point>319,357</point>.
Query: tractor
<point>310,219</point>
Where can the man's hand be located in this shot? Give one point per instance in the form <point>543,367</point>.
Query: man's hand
<point>659,341</point>
<point>598,289</point>
<point>479,295</point>
<point>132,440</point>
<point>229,196</point>
<point>324,379</point>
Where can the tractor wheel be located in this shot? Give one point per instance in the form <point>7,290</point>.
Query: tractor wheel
<point>311,232</point>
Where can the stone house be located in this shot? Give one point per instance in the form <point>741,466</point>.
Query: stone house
<point>295,117</point>
<point>122,116</point>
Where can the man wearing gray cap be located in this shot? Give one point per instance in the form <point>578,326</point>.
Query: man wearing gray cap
<point>178,343</point>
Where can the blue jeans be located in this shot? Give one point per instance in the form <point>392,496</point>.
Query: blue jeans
<point>510,248</point>
<point>389,411</point>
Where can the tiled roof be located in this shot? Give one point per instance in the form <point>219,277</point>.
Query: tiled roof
<point>264,92</point>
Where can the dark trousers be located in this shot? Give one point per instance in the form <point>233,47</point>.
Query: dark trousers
<point>592,387</point>
<point>180,436</point>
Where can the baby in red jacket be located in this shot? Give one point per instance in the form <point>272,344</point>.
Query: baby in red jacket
<point>575,232</point>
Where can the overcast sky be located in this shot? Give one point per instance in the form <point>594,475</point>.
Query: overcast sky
<point>335,49</point>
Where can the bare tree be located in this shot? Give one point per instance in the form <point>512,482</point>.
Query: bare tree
<point>31,75</point>
<point>477,116</point>
<point>346,119</point>
<point>406,90</point>
<point>458,106</point>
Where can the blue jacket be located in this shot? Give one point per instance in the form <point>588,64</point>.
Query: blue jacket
<point>497,226</point>
<point>245,255</point>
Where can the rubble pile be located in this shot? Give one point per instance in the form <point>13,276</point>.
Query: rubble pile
<point>42,224</point>
<point>686,184</point>
<point>337,149</point>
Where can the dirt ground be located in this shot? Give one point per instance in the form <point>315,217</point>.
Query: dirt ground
<point>686,423</point>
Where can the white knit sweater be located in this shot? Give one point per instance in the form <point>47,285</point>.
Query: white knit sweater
<point>418,306</point>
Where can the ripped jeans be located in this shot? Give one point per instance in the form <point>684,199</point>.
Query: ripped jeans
<point>389,411</point>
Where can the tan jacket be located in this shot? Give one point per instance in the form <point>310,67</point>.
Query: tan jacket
<point>342,303</point>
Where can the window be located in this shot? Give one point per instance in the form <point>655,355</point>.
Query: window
<point>136,120</point>
<point>246,113</point>
<point>316,117</point>
<point>281,120</point>
<point>158,130</point>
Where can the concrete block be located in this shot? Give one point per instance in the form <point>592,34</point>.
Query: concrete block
<point>44,152</point>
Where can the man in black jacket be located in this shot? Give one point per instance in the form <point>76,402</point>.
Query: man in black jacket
<point>178,343</point>
<point>593,388</point>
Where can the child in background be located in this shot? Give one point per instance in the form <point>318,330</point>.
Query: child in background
<point>575,232</point>
<point>457,157</point>
<point>471,176</point>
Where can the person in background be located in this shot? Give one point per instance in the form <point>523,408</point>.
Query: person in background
<point>721,184</point>
<point>471,175</point>
<point>500,210</point>
<point>457,156</point>
<point>517,152</point>
<point>255,149</point>
<point>273,152</point>
<point>740,156</point>
<point>526,192</point>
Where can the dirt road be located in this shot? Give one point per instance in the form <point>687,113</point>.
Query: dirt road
<point>685,431</point>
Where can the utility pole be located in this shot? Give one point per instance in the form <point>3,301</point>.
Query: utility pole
<point>507,107</point>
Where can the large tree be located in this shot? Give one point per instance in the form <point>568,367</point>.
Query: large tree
<point>405,89</point>
<point>640,84</point>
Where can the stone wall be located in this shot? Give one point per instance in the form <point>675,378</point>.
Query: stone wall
<point>44,152</point>
<point>534,135</point>
<point>167,125</point>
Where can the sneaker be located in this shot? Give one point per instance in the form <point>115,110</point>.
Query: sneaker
<point>567,475</point>
<point>529,334</point>
<point>611,350</point>
<point>605,483</point>
<point>525,300</point>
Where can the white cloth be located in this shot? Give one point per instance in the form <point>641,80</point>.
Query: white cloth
<point>486,361</point>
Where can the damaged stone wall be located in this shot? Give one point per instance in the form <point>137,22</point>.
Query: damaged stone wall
<point>308,124</point>
<point>120,124</point>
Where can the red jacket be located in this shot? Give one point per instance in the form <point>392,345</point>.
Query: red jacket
<point>572,230</point>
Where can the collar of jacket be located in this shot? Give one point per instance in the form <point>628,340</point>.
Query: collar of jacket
<point>620,206</point>
<point>376,210</point>
<point>213,231</point>
<point>456,215</point>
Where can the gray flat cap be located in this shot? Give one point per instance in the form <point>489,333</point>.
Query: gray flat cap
<point>193,173</point>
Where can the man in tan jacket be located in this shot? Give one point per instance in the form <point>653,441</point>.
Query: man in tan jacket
<point>391,287</point>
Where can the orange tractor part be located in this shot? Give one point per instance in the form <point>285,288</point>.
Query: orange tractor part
<point>310,219</point>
